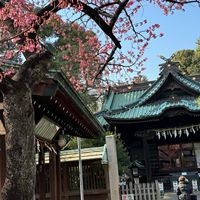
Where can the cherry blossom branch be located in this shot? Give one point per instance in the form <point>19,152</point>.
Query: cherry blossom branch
<point>14,36</point>
<point>183,2</point>
<point>122,5</point>
<point>107,29</point>
<point>132,25</point>
<point>106,63</point>
<point>92,13</point>
<point>107,4</point>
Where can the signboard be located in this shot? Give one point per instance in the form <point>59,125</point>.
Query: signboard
<point>175,185</point>
<point>161,187</point>
<point>194,185</point>
<point>127,197</point>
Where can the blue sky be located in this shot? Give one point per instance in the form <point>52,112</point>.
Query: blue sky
<point>181,31</point>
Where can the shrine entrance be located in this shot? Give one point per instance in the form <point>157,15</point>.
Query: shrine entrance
<point>159,123</point>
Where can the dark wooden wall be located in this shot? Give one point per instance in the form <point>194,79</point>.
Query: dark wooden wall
<point>96,185</point>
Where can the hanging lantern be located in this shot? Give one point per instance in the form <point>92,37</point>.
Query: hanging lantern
<point>38,146</point>
<point>62,141</point>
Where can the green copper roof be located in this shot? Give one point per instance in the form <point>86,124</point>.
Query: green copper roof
<point>120,100</point>
<point>153,110</point>
<point>101,119</point>
<point>134,104</point>
<point>188,82</point>
<point>152,90</point>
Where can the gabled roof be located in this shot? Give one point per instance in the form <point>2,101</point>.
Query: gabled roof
<point>55,98</point>
<point>94,153</point>
<point>134,103</point>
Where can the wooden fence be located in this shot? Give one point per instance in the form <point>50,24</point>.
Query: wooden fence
<point>143,191</point>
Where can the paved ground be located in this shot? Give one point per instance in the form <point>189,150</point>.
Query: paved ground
<point>173,196</point>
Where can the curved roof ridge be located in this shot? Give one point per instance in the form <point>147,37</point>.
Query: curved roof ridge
<point>155,109</point>
<point>186,80</point>
<point>152,90</point>
<point>189,82</point>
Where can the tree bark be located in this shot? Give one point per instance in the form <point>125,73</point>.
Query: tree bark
<point>20,144</point>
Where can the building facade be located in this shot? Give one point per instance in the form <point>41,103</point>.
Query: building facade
<point>159,123</point>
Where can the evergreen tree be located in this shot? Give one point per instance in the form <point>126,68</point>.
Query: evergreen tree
<point>189,59</point>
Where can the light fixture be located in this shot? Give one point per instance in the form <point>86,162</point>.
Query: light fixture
<point>62,141</point>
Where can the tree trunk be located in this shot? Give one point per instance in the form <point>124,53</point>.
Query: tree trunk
<point>20,144</point>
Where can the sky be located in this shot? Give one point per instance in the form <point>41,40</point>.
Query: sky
<point>181,31</point>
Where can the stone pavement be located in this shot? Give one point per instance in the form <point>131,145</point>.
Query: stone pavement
<point>173,196</point>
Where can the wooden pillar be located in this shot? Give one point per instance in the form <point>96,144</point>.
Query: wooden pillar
<point>55,175</point>
<point>112,167</point>
<point>146,158</point>
<point>2,161</point>
<point>106,174</point>
<point>41,174</point>
<point>52,175</point>
<point>65,180</point>
<point>197,154</point>
<point>58,180</point>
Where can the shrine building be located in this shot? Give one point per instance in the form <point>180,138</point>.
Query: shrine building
<point>159,124</point>
<point>60,114</point>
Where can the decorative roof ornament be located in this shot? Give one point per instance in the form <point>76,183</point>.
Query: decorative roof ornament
<point>169,66</point>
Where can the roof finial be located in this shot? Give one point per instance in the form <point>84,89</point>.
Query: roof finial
<point>169,65</point>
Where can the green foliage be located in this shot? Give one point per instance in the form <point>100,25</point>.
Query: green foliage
<point>123,159</point>
<point>189,59</point>
<point>184,57</point>
<point>87,143</point>
<point>122,155</point>
<point>57,44</point>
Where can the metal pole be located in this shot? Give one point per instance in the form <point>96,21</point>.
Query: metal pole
<point>80,169</point>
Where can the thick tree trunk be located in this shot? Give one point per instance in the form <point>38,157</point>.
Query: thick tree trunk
<point>20,144</point>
